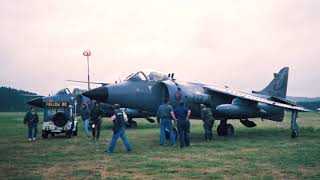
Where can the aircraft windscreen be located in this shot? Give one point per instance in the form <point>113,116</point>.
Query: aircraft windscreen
<point>76,90</point>
<point>147,75</point>
<point>156,76</point>
<point>64,91</point>
<point>139,76</point>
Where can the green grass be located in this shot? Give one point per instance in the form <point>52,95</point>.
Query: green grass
<point>263,153</point>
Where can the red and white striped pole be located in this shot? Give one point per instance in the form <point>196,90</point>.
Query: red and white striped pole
<point>87,53</point>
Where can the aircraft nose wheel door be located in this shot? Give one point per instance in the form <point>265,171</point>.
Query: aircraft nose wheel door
<point>294,124</point>
<point>175,132</point>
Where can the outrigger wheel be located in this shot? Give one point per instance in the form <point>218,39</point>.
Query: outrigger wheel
<point>294,124</point>
<point>294,134</point>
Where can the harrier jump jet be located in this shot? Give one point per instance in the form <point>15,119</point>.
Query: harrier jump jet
<point>146,90</point>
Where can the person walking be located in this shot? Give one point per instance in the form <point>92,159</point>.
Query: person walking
<point>32,120</point>
<point>96,121</point>
<point>165,115</point>
<point>182,113</point>
<point>119,118</point>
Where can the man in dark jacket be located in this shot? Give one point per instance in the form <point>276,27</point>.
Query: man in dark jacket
<point>32,120</point>
<point>119,118</point>
<point>182,113</point>
<point>96,114</point>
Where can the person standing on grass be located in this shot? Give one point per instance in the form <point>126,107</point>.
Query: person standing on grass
<point>96,121</point>
<point>165,115</point>
<point>32,120</point>
<point>85,116</point>
<point>119,121</point>
<point>182,113</point>
<point>208,121</point>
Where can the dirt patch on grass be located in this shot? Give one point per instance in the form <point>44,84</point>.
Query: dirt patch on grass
<point>101,168</point>
<point>204,170</point>
<point>310,171</point>
<point>172,159</point>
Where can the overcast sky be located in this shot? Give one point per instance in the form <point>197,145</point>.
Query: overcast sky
<point>239,43</point>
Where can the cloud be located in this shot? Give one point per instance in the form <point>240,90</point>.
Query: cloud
<point>238,43</point>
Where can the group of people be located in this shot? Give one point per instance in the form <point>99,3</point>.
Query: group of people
<point>180,115</point>
<point>165,114</point>
<point>95,117</point>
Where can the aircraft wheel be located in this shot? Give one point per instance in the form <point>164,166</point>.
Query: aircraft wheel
<point>221,130</point>
<point>294,134</point>
<point>44,134</point>
<point>175,132</point>
<point>133,124</point>
<point>69,133</point>
<point>75,133</point>
<point>225,130</point>
<point>229,130</point>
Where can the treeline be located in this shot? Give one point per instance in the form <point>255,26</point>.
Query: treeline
<point>311,105</point>
<point>13,100</point>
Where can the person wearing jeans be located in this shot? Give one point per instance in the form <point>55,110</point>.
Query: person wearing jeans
<point>85,116</point>
<point>165,115</point>
<point>119,130</point>
<point>166,123</point>
<point>182,114</point>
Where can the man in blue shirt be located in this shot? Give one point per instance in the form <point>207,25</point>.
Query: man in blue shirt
<point>165,115</point>
<point>182,113</point>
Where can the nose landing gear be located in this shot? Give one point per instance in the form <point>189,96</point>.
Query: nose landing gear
<point>131,123</point>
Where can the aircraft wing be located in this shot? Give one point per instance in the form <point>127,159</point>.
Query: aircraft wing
<point>101,83</point>
<point>250,97</point>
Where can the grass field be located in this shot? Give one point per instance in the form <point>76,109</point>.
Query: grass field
<point>266,152</point>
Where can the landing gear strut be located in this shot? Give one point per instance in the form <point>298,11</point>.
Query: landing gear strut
<point>225,129</point>
<point>131,123</point>
<point>294,124</point>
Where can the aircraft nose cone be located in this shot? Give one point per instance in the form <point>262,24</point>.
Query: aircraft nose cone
<point>99,94</point>
<point>38,102</point>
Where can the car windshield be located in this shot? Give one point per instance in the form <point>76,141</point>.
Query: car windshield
<point>147,75</point>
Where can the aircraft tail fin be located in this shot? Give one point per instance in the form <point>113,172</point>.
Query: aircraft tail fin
<point>278,86</point>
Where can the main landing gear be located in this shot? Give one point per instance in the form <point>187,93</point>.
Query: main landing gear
<point>225,129</point>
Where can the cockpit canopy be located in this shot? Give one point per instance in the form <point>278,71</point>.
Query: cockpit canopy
<point>147,75</point>
<point>63,91</point>
<point>70,90</point>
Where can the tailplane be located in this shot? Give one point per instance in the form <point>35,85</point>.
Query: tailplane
<point>278,86</point>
